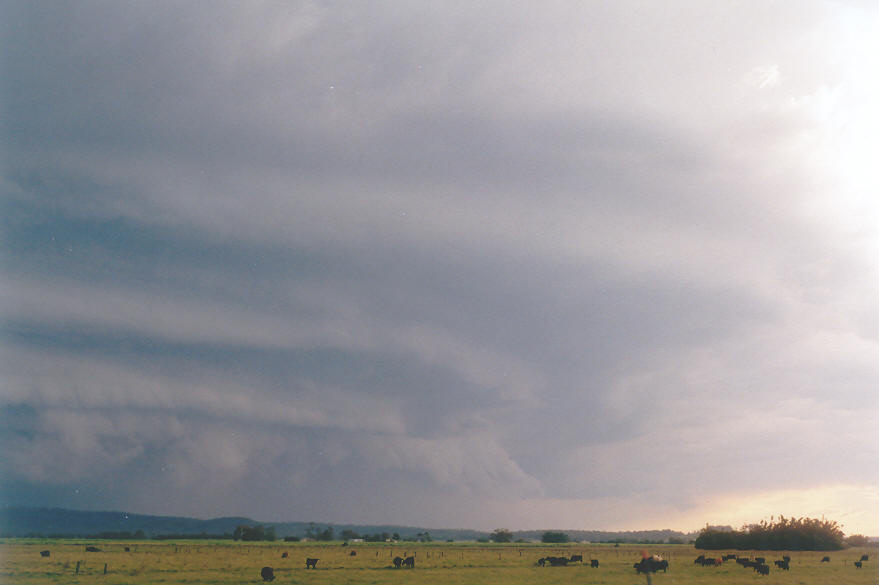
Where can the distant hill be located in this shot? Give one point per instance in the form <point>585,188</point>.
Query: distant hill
<point>18,521</point>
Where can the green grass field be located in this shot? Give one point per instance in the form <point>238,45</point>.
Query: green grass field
<point>223,562</point>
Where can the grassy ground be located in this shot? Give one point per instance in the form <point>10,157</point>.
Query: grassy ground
<point>223,562</point>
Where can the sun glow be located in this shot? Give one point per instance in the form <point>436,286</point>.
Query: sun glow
<point>855,508</point>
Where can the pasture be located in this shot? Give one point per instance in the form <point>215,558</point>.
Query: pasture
<point>224,562</point>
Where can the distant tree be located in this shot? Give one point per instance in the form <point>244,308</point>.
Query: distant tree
<point>502,535</point>
<point>326,534</point>
<point>396,536</point>
<point>253,533</point>
<point>292,539</point>
<point>857,540</point>
<point>556,537</point>
<point>783,534</point>
<point>348,534</point>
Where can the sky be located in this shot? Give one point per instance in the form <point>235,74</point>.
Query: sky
<point>570,265</point>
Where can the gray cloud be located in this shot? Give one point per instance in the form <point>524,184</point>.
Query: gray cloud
<point>397,259</point>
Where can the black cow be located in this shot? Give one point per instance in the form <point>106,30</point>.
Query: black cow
<point>284,555</point>
<point>409,562</point>
<point>865,558</point>
<point>557,561</point>
<point>651,565</point>
<point>44,553</point>
<point>541,562</point>
<point>699,560</point>
<point>783,565</point>
<point>92,549</point>
<point>825,560</point>
<point>729,557</point>
<point>398,561</point>
<point>268,574</point>
<point>858,564</point>
<point>593,563</point>
<point>761,569</point>
<point>576,558</point>
<point>311,563</point>
<point>353,553</point>
<point>760,560</point>
<point>786,558</point>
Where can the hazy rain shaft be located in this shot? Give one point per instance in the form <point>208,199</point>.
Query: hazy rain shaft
<point>574,265</point>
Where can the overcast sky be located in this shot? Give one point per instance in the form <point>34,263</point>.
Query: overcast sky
<point>527,265</point>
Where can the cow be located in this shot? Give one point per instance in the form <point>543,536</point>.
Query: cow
<point>786,558</point>
<point>44,553</point>
<point>761,569</point>
<point>576,558</point>
<point>127,549</point>
<point>729,557</point>
<point>651,565</point>
<point>699,560</point>
<point>398,561</point>
<point>865,558</point>
<point>859,564</point>
<point>284,555</point>
<point>825,560</point>
<point>311,563</point>
<point>409,562</point>
<point>557,561</point>
<point>268,574</point>
<point>92,549</point>
<point>760,560</point>
<point>353,553</point>
<point>783,565</point>
<point>541,562</point>
<point>593,563</point>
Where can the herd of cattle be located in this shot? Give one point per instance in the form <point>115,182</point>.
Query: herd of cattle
<point>564,561</point>
<point>648,564</point>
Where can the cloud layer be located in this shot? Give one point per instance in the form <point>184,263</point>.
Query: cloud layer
<point>444,266</point>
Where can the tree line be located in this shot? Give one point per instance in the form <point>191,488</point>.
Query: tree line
<point>781,534</point>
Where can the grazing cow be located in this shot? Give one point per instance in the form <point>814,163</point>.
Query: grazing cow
<point>859,564</point>
<point>353,553</point>
<point>699,560</point>
<point>783,565</point>
<point>409,562</point>
<point>762,569</point>
<point>786,558</point>
<point>311,563</point>
<point>541,562</point>
<point>268,574</point>
<point>825,560</point>
<point>44,553</point>
<point>284,555</point>
<point>760,560</point>
<point>865,558</point>
<point>651,565</point>
<point>729,557</point>
<point>576,558</point>
<point>593,563</point>
<point>398,561</point>
<point>557,561</point>
<point>92,549</point>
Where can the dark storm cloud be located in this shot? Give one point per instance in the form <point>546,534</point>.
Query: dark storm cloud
<point>391,260</point>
